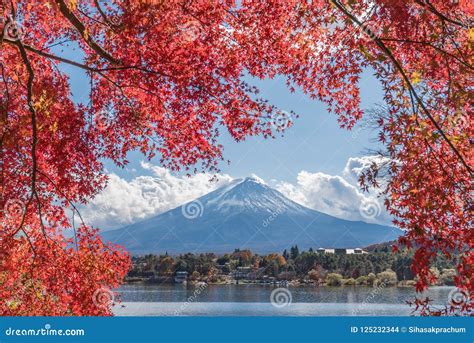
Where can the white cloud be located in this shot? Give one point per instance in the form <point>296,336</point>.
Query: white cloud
<point>338,196</point>
<point>325,193</point>
<point>124,202</point>
<point>355,166</point>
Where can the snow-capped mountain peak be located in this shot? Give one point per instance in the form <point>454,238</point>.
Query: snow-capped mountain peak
<point>245,214</point>
<point>253,194</point>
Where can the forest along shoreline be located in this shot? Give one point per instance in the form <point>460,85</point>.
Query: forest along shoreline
<point>374,266</point>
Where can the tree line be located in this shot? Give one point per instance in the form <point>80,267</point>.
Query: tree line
<point>323,268</point>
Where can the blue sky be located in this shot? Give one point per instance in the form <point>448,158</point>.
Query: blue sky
<point>314,143</point>
<point>314,163</point>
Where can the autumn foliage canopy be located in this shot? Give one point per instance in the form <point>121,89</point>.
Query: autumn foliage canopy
<point>165,77</point>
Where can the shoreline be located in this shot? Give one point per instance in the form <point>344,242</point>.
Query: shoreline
<point>289,284</point>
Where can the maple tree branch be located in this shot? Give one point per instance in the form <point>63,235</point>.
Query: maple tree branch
<point>104,15</point>
<point>92,18</point>
<point>13,8</point>
<point>34,129</point>
<point>54,57</point>
<point>81,65</point>
<point>76,22</point>
<point>402,72</point>
<point>31,76</point>
<point>430,147</point>
<point>75,209</point>
<point>4,118</point>
<point>88,68</point>
<point>31,246</point>
<point>429,6</point>
<point>466,64</point>
<point>40,215</point>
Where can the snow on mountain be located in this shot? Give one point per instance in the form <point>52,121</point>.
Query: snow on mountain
<point>245,214</point>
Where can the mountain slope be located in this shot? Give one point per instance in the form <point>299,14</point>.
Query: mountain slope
<point>245,214</point>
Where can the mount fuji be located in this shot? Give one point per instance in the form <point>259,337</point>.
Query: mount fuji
<point>245,214</point>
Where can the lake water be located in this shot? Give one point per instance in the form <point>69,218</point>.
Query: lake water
<point>256,300</point>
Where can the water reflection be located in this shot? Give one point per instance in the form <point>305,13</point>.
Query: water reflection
<point>261,294</point>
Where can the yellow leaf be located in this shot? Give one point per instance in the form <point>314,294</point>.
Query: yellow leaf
<point>415,78</point>
<point>13,304</point>
<point>73,4</point>
<point>470,34</point>
<point>54,127</point>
